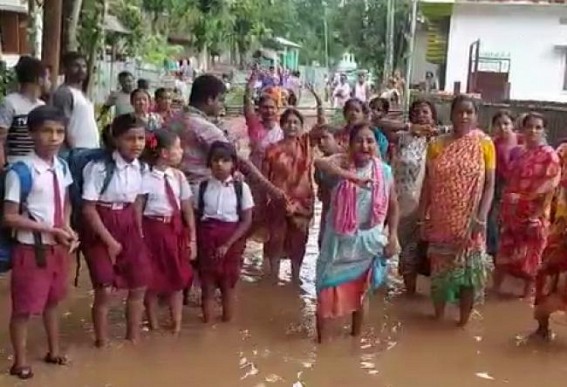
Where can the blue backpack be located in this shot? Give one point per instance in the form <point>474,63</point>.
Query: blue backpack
<point>6,234</point>
<point>78,160</point>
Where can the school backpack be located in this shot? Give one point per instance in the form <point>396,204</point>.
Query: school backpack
<point>6,234</point>
<point>78,160</point>
<point>201,198</point>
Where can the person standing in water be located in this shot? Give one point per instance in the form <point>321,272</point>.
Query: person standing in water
<point>289,166</point>
<point>505,140</point>
<point>551,278</point>
<point>454,206</point>
<point>355,241</point>
<point>82,129</point>
<point>534,174</point>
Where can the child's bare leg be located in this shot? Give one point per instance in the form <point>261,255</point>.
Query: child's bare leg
<point>295,270</point>
<point>19,337</point>
<point>410,283</point>
<point>275,269</point>
<point>207,299</point>
<point>151,304</point>
<point>528,287</point>
<point>439,307</point>
<point>228,302</point>
<point>100,315</point>
<point>51,325</point>
<point>176,310</point>
<point>320,322</point>
<point>466,304</point>
<point>357,320</point>
<point>134,313</point>
<point>497,280</point>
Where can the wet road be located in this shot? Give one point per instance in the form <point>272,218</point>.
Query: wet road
<point>271,343</point>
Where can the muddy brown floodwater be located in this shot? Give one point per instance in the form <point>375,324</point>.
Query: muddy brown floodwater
<point>271,343</point>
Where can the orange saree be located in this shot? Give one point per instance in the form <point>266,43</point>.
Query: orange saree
<point>288,165</point>
<point>551,279</point>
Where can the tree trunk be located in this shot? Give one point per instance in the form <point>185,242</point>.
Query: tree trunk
<point>32,27</point>
<point>51,39</point>
<point>98,44</point>
<point>72,27</point>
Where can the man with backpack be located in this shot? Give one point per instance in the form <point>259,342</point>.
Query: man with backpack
<point>15,140</point>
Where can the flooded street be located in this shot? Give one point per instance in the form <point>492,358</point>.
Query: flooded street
<point>271,343</point>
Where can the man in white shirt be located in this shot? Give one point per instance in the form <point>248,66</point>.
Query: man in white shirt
<point>361,88</point>
<point>342,92</point>
<point>15,140</point>
<point>120,99</point>
<point>82,130</point>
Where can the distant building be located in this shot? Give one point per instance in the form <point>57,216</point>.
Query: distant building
<point>500,49</point>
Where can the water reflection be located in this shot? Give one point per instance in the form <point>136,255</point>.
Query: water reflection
<point>271,343</point>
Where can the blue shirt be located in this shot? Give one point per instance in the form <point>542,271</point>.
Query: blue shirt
<point>382,142</point>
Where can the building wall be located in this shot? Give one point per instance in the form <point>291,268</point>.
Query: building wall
<point>530,35</point>
<point>420,65</point>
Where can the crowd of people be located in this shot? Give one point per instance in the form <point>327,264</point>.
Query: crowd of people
<point>168,202</point>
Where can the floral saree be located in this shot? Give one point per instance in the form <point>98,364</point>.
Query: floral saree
<point>456,176</point>
<point>551,279</point>
<point>525,210</point>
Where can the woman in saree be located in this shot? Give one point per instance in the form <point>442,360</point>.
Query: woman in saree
<point>525,210</point>
<point>551,279</point>
<point>408,165</point>
<point>505,139</point>
<point>456,197</point>
<point>355,242</point>
<point>288,165</point>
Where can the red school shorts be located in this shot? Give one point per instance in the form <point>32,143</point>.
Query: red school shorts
<point>34,288</point>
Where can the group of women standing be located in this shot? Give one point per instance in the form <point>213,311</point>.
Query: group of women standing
<point>452,194</point>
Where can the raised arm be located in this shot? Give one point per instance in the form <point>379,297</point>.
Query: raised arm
<point>248,105</point>
<point>321,119</point>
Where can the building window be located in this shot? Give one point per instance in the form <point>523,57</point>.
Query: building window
<point>13,32</point>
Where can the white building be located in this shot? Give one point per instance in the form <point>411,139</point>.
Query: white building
<point>523,43</point>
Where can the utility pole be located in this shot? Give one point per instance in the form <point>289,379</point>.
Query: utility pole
<point>326,32</point>
<point>389,58</point>
<point>409,56</point>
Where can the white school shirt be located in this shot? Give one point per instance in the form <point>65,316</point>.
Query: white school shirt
<point>220,200</point>
<point>360,91</point>
<point>124,187</point>
<point>153,185</point>
<point>40,203</point>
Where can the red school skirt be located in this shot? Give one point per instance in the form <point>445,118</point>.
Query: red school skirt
<point>131,269</point>
<point>224,272</point>
<point>168,252</point>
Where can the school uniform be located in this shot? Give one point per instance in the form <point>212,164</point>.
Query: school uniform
<point>115,207</point>
<point>217,224</point>
<point>165,234</point>
<point>39,272</point>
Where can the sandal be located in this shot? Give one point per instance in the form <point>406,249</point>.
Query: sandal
<point>56,360</point>
<point>23,373</point>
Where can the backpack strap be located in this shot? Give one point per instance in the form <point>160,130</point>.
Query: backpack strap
<point>201,198</point>
<point>238,192</point>
<point>109,170</point>
<point>25,177</point>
